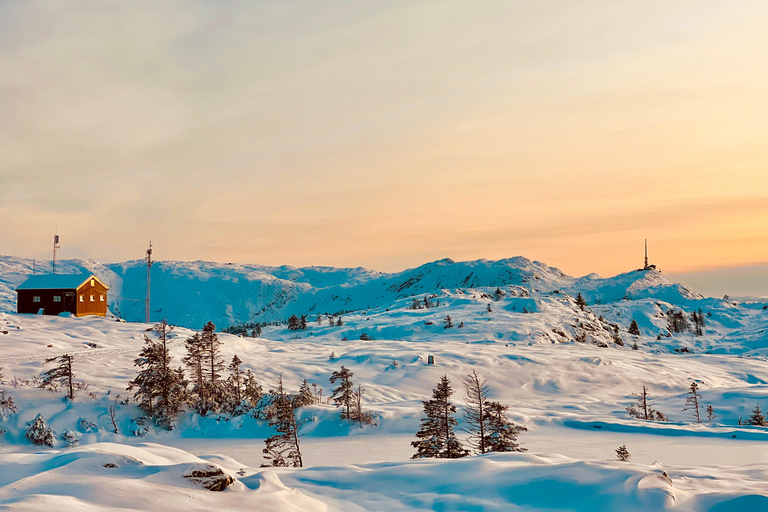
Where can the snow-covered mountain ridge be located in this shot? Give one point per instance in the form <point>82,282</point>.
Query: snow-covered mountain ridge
<point>191,293</point>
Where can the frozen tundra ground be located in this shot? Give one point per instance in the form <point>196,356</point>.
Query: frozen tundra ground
<point>571,395</point>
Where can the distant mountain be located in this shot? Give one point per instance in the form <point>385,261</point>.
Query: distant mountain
<point>191,293</point>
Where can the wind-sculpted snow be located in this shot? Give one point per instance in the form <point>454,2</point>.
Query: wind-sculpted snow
<point>192,293</point>
<point>571,393</point>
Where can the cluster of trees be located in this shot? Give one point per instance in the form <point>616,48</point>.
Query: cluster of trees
<point>163,391</point>
<point>251,329</point>
<point>424,303</point>
<point>349,399</point>
<point>284,448</point>
<point>643,409</point>
<point>487,425</point>
<point>678,321</point>
<point>300,323</point>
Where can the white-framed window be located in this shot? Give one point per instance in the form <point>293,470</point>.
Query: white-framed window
<point>57,298</point>
<point>101,297</point>
<point>93,299</point>
<point>82,299</point>
<point>36,298</point>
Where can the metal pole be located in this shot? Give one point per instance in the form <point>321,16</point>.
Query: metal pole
<point>149,266</point>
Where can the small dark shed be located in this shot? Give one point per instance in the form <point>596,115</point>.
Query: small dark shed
<point>51,294</point>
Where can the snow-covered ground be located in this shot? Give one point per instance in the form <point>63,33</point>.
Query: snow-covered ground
<point>571,395</point>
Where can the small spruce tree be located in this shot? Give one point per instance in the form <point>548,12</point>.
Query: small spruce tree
<point>634,329</point>
<point>692,402</point>
<point>344,395</point>
<point>283,449</point>
<point>161,390</point>
<point>40,433</point>
<point>757,417</point>
<point>305,396</point>
<point>60,375</point>
<point>622,453</point>
<point>436,437</point>
<point>502,433</point>
<point>580,301</point>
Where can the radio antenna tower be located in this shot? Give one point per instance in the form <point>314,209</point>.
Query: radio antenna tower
<point>149,266</point>
<point>56,247</point>
<point>646,254</point>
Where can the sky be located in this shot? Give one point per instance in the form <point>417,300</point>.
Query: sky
<point>388,134</point>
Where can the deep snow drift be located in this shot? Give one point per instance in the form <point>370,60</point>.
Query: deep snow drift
<point>559,368</point>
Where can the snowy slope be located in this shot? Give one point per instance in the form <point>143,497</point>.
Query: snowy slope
<point>192,293</point>
<point>561,368</point>
<point>570,395</point>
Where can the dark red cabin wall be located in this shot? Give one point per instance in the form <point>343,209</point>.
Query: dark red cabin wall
<point>25,301</point>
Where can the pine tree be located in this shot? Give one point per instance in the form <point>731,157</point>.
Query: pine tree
<point>757,418</point>
<point>305,396</point>
<point>643,410</point>
<point>623,454</point>
<point>161,390</point>
<point>488,308</point>
<point>235,379</point>
<point>448,322</point>
<point>303,322</point>
<point>213,365</point>
<point>339,322</point>
<point>252,391</point>
<point>256,333</point>
<point>634,329</point>
<point>7,405</point>
<point>692,402</point>
<point>476,414</point>
<point>60,375</point>
<point>416,304</point>
<point>710,414</point>
<point>698,322</point>
<point>436,437</point>
<point>283,449</point>
<point>294,323</point>
<point>499,293</point>
<point>502,433</point>
<point>344,395</point>
<point>194,363</point>
<point>427,302</point>
<point>580,301</point>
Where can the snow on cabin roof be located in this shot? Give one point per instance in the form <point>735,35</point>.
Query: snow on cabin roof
<point>55,281</point>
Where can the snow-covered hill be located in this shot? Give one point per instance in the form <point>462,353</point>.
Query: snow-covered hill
<point>192,293</point>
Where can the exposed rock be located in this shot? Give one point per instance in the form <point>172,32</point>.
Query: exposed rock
<point>210,477</point>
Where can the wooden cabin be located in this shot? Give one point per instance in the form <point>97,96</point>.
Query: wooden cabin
<point>53,294</point>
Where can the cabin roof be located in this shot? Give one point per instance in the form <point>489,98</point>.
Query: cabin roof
<point>57,282</point>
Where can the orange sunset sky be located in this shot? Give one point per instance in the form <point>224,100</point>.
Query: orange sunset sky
<point>387,134</point>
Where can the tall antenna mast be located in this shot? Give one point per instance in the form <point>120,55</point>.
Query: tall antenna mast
<point>646,254</point>
<point>56,247</point>
<point>149,266</point>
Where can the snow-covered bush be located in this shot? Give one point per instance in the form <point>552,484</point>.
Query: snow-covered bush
<point>71,438</point>
<point>40,433</point>
<point>87,427</point>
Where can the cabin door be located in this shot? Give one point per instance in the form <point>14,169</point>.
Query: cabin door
<point>70,304</point>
